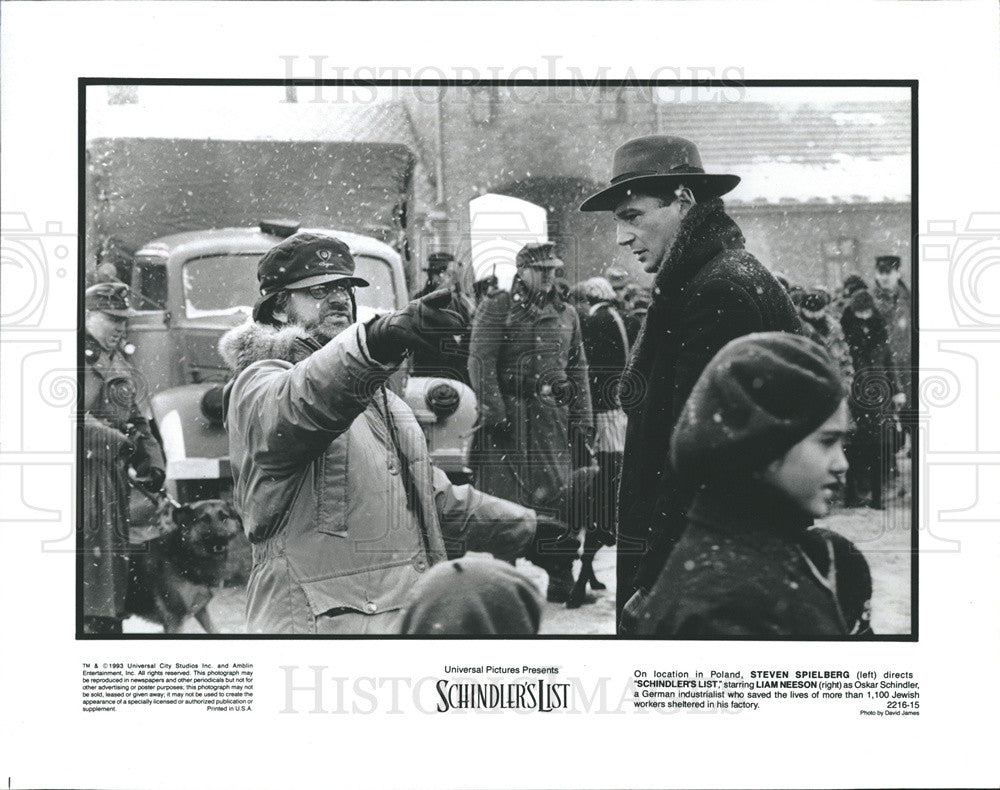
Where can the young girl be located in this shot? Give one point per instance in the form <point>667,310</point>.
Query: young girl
<point>761,439</point>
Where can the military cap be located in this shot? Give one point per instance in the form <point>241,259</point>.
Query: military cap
<point>538,255</point>
<point>887,263</point>
<point>302,261</point>
<point>110,298</point>
<point>438,261</point>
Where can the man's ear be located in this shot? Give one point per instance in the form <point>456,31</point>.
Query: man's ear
<point>685,199</point>
<point>280,310</point>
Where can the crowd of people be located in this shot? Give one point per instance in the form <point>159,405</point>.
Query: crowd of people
<point>866,329</point>
<point>699,424</point>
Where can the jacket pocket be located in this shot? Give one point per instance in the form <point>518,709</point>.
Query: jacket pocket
<point>331,493</point>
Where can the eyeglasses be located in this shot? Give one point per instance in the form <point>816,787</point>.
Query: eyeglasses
<point>323,291</point>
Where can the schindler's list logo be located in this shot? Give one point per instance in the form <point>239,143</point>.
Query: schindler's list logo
<point>313,690</point>
<point>537,695</point>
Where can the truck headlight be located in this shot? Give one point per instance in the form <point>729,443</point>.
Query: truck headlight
<point>442,399</point>
<point>211,405</point>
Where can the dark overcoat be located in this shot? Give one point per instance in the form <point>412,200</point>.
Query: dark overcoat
<point>450,355</point>
<point>748,565</point>
<point>896,309</point>
<point>876,379</point>
<point>529,373</point>
<point>827,331</point>
<point>605,343</point>
<point>708,291</point>
<point>115,436</point>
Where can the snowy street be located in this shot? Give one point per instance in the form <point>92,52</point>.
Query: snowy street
<point>882,535</point>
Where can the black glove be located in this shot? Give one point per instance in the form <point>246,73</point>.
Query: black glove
<point>553,546</point>
<point>152,481</point>
<point>390,336</point>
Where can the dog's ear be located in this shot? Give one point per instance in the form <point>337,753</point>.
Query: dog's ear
<point>229,511</point>
<point>182,515</point>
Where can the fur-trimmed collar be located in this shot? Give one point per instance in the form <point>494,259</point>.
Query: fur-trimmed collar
<point>705,231</point>
<point>252,342</point>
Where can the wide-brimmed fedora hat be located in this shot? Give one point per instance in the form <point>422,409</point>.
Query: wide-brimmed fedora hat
<point>661,161</point>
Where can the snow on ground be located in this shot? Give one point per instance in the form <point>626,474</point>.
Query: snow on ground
<point>882,535</point>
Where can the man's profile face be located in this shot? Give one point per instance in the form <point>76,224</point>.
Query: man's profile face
<point>648,228</point>
<point>887,280</point>
<point>323,315</point>
<point>108,330</point>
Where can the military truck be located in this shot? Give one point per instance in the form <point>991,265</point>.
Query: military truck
<point>180,221</point>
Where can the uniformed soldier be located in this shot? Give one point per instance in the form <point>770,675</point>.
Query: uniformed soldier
<point>448,353</point>
<point>893,302</point>
<point>437,264</point>
<point>117,445</point>
<point>529,371</point>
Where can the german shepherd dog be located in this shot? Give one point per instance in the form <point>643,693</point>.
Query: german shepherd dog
<point>173,570</point>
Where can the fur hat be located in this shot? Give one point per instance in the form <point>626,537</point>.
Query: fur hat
<point>758,397</point>
<point>815,300</point>
<point>861,301</point>
<point>852,284</point>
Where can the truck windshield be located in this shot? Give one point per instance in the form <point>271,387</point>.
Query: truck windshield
<point>218,285</point>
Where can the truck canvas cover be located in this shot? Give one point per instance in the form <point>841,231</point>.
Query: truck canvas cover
<point>140,188</point>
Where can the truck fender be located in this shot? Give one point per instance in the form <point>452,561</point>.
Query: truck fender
<point>195,446</point>
<point>449,433</point>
